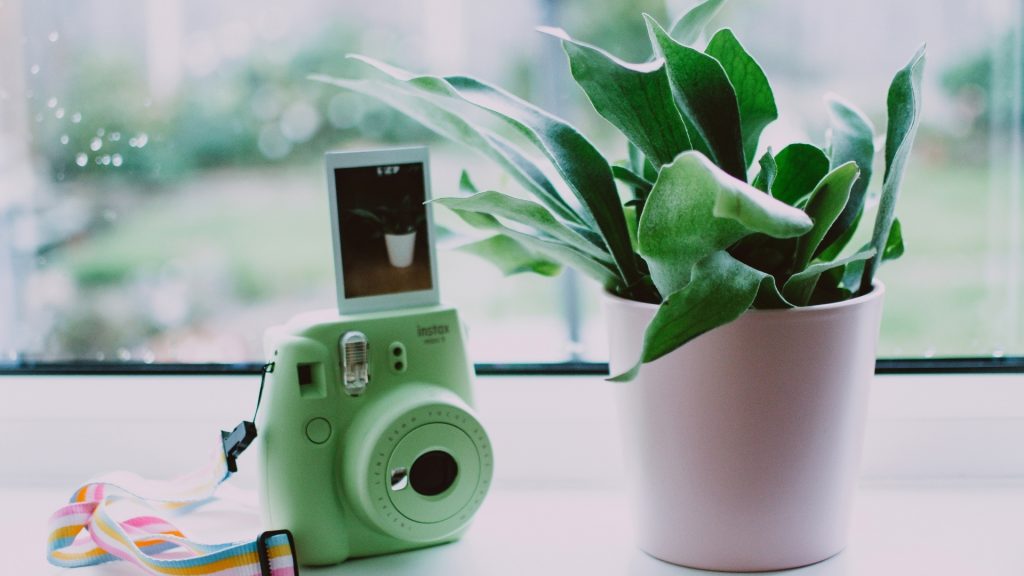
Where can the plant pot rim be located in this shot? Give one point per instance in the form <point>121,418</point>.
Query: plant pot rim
<point>877,291</point>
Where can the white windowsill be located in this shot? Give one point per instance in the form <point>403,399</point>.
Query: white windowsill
<point>943,488</point>
<point>948,529</point>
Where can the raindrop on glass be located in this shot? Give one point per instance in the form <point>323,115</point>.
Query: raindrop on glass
<point>64,139</point>
<point>998,353</point>
<point>105,160</point>
<point>34,69</point>
<point>101,131</point>
<point>929,353</point>
<point>141,140</point>
<point>114,136</point>
<point>58,113</point>
<point>96,144</point>
<point>51,103</point>
<point>76,117</point>
<point>116,160</point>
<point>81,159</point>
<point>123,354</point>
<point>148,357</point>
<point>54,36</point>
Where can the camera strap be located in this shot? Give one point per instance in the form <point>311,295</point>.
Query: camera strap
<point>85,533</point>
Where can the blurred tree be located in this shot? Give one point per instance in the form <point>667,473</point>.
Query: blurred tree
<point>985,97</point>
<point>253,110</point>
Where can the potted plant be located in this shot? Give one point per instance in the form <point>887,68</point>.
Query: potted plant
<point>398,224</point>
<point>737,303</point>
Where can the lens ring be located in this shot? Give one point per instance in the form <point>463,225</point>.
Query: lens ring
<point>402,436</point>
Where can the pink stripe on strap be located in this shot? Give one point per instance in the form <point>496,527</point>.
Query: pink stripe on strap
<point>83,533</point>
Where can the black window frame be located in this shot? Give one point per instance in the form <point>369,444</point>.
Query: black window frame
<point>883,366</point>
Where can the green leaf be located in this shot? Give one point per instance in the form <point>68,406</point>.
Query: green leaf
<point>894,248</point>
<point>851,277</point>
<point>636,158</point>
<point>528,214</point>
<point>853,139</point>
<point>721,290</point>
<point>584,170</point>
<point>799,169</point>
<point>466,185</point>
<point>453,127</point>
<point>904,108</point>
<point>894,244</point>
<point>826,203</point>
<point>632,223</point>
<point>632,179</point>
<point>707,100</point>
<point>800,286</point>
<point>635,98</point>
<point>753,93</point>
<point>510,256</point>
<point>691,195</point>
<point>769,170</point>
<point>688,28</point>
<point>639,163</point>
<point>550,247</point>
<point>834,249</point>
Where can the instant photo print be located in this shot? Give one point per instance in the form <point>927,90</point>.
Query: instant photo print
<point>383,253</point>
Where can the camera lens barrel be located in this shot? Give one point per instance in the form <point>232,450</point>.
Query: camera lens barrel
<point>419,464</point>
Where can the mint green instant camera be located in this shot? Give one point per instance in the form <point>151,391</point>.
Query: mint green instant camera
<point>357,468</point>
<point>369,442</point>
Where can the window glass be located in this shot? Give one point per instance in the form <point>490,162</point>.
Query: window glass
<point>161,183</point>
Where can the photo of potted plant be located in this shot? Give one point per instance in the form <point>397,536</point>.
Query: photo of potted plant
<point>398,225</point>
<point>742,314</point>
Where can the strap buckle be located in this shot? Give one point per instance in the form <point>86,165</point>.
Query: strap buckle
<point>264,554</point>
<point>236,441</point>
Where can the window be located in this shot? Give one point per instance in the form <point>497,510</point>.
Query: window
<point>162,197</point>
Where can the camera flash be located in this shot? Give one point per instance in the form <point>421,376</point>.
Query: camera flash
<point>355,362</point>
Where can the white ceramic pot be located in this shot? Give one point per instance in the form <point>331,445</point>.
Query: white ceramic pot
<point>401,248</point>
<point>743,446</point>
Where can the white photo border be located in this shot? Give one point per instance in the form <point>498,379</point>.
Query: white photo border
<point>370,158</point>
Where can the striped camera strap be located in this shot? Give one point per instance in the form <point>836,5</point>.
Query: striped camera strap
<point>85,533</point>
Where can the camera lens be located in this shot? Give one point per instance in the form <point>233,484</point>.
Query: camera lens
<point>433,473</point>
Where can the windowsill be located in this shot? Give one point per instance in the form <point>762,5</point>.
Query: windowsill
<point>943,488</point>
<point>920,528</point>
<point>919,427</point>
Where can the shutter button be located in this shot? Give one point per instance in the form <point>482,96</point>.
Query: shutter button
<point>318,430</point>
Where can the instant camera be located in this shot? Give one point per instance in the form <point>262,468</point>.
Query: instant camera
<point>369,441</point>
